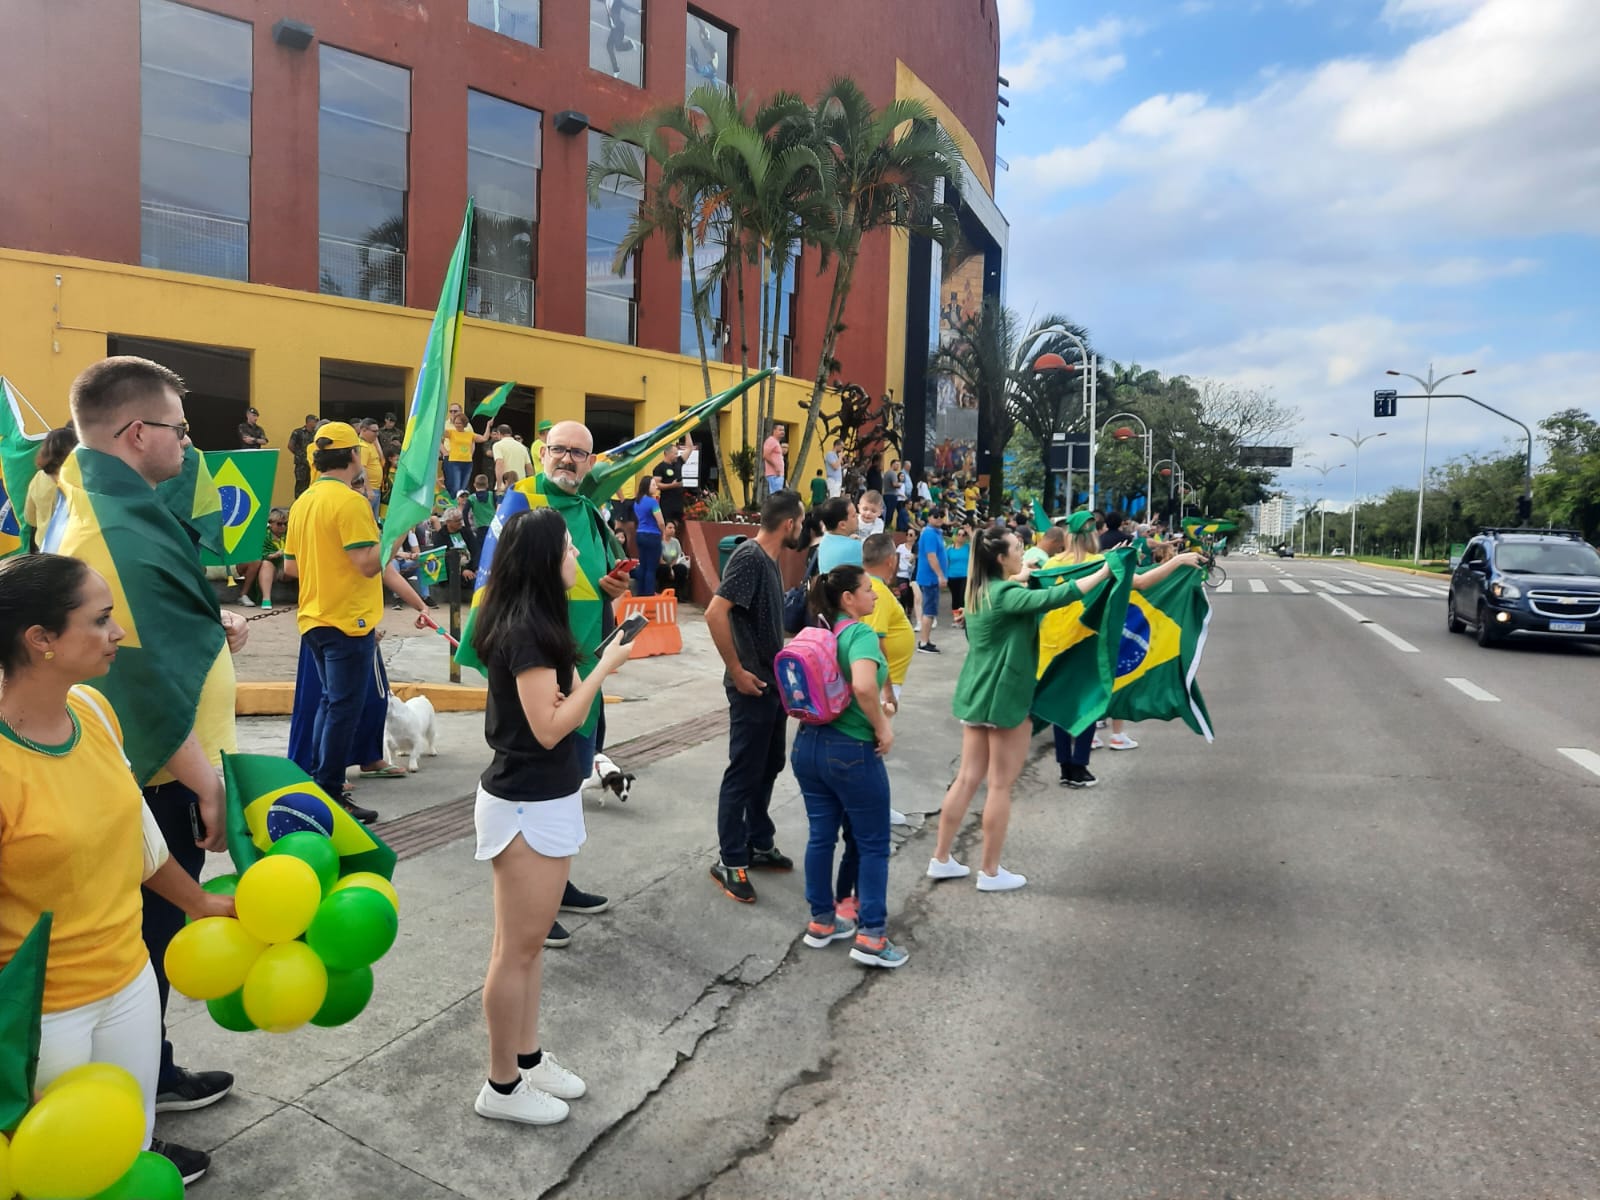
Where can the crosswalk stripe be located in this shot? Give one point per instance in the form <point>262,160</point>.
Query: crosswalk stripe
<point>1225,586</point>
<point>1587,759</point>
<point>1329,586</point>
<point>1400,589</point>
<point>1297,588</point>
<point>1258,585</point>
<point>1362,588</point>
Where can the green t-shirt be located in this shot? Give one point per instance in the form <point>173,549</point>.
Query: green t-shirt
<point>819,491</point>
<point>856,642</point>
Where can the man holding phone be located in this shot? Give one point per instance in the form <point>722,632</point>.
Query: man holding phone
<point>565,459</point>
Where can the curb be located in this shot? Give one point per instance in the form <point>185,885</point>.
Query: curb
<point>1386,567</point>
<point>276,699</point>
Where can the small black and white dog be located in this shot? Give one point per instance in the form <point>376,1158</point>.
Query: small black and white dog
<point>609,777</point>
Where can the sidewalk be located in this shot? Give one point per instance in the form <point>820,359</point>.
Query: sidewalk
<point>382,1107</point>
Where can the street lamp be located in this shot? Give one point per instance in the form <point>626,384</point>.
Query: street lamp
<point>1427,386</point>
<point>1173,473</point>
<point>1091,390</point>
<point>1149,449</point>
<point>1322,537</point>
<point>1355,476</point>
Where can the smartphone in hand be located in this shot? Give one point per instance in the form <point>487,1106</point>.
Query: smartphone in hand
<point>623,569</point>
<point>627,631</point>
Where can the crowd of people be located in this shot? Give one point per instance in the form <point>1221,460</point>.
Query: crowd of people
<point>126,793</point>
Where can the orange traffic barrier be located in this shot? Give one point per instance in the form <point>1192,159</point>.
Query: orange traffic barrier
<point>662,635</point>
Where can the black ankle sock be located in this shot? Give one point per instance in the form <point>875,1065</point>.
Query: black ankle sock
<point>505,1089</point>
<point>529,1061</point>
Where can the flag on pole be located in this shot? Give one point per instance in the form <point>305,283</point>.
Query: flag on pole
<point>269,796</point>
<point>1163,636</point>
<point>494,401</point>
<point>21,1011</point>
<point>1077,660</point>
<point>18,448</point>
<point>431,565</point>
<point>411,496</point>
<point>1041,519</point>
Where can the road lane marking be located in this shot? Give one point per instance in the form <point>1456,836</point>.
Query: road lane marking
<point>1225,586</point>
<point>1587,759</point>
<point>1363,588</point>
<point>1299,589</point>
<point>1467,688</point>
<point>1258,585</point>
<point>1329,586</point>
<point>1394,639</point>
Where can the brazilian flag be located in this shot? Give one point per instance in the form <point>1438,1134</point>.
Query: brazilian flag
<point>1158,658</point>
<point>243,481</point>
<point>431,565</point>
<point>489,407</point>
<point>21,1007</point>
<point>17,451</point>
<point>257,782</point>
<point>143,542</point>
<point>1077,661</point>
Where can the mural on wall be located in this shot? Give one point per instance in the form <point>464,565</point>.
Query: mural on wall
<point>952,425</point>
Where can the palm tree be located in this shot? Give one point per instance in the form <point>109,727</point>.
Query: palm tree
<point>886,165</point>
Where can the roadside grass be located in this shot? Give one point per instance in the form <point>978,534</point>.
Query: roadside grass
<point>1433,567</point>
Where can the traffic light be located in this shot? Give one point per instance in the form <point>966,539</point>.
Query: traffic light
<point>1384,402</point>
<point>1524,510</point>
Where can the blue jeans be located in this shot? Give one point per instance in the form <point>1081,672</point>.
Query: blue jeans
<point>411,574</point>
<point>649,559</point>
<point>842,777</point>
<point>457,478</point>
<point>344,668</point>
<point>1071,750</point>
<point>774,483</point>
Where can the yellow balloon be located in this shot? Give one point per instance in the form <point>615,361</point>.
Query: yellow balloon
<point>78,1140</point>
<point>6,1190</point>
<point>369,879</point>
<point>277,898</point>
<point>286,987</point>
<point>99,1072</point>
<point>211,957</point>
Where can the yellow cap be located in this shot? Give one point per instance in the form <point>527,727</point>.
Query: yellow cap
<point>337,435</point>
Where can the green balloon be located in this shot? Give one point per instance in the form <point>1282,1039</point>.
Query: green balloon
<point>348,993</point>
<point>228,1011</point>
<point>313,849</point>
<point>353,928</point>
<point>152,1177</point>
<point>222,885</point>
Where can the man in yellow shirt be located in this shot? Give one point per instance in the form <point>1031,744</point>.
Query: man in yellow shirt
<point>371,450</point>
<point>887,618</point>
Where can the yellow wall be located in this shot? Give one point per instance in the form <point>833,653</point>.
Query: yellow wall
<point>49,333</point>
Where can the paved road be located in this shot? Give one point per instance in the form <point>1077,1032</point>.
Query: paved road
<point>1351,949</point>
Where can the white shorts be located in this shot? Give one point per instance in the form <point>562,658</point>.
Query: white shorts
<point>554,828</point>
<point>124,1029</point>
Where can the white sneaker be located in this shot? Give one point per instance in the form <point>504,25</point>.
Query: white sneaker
<point>1121,741</point>
<point>1001,881</point>
<point>949,869</point>
<point>896,817</point>
<point>1097,744</point>
<point>527,1105</point>
<point>550,1076</point>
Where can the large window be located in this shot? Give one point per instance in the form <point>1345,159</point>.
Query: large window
<point>786,316</point>
<point>515,18</point>
<point>705,59</point>
<point>503,160</point>
<point>706,257</point>
<point>616,39</point>
<point>194,146</point>
<point>612,299</point>
<point>363,127</point>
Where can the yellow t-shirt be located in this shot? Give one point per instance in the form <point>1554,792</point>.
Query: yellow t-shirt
<point>40,501</point>
<point>898,639</point>
<point>214,719</point>
<point>372,464</point>
<point>326,521</point>
<point>71,842</point>
<point>461,443</point>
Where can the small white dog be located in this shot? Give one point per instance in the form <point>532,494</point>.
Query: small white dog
<point>609,777</point>
<point>409,729</point>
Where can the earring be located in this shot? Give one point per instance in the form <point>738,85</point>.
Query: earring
<point>49,654</point>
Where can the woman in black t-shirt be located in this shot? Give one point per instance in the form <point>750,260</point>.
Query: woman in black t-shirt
<point>529,813</point>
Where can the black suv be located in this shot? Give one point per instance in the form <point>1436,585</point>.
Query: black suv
<point>1536,583</point>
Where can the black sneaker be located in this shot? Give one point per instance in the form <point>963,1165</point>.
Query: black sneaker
<point>735,883</point>
<point>557,937</point>
<point>192,1090</point>
<point>771,859</point>
<point>191,1164</point>
<point>1078,777</point>
<point>366,816</point>
<point>927,648</point>
<point>577,900</point>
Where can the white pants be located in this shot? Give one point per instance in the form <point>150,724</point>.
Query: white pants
<point>835,486</point>
<point>124,1028</point>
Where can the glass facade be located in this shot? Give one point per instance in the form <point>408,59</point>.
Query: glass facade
<point>504,155</point>
<point>616,39</point>
<point>705,59</point>
<point>363,128</point>
<point>705,260</point>
<point>194,150</point>
<point>612,299</point>
<point>515,18</point>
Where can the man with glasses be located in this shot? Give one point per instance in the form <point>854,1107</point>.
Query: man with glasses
<point>172,683</point>
<point>566,459</point>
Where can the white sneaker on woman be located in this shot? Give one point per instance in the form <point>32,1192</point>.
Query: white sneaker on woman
<point>949,869</point>
<point>1121,741</point>
<point>550,1076</point>
<point>527,1105</point>
<point>1001,881</point>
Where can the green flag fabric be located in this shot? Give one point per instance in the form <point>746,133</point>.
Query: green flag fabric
<point>269,797</point>
<point>125,530</point>
<point>431,565</point>
<point>1041,519</point>
<point>191,496</point>
<point>1163,636</point>
<point>412,493</point>
<point>494,401</point>
<point>1077,661</point>
<point>21,1007</point>
<point>243,481</point>
<point>17,450</point>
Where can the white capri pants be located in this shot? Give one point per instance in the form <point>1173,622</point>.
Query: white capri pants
<point>124,1028</point>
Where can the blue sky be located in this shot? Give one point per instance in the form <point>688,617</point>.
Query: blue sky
<point>1299,194</point>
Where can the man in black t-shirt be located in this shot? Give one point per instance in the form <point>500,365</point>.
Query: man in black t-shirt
<point>745,619</point>
<point>670,472</point>
<point>1114,535</point>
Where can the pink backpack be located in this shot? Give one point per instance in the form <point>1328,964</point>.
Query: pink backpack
<point>812,688</point>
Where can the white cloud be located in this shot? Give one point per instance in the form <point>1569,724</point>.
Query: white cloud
<point>1016,16</point>
<point>1091,53</point>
